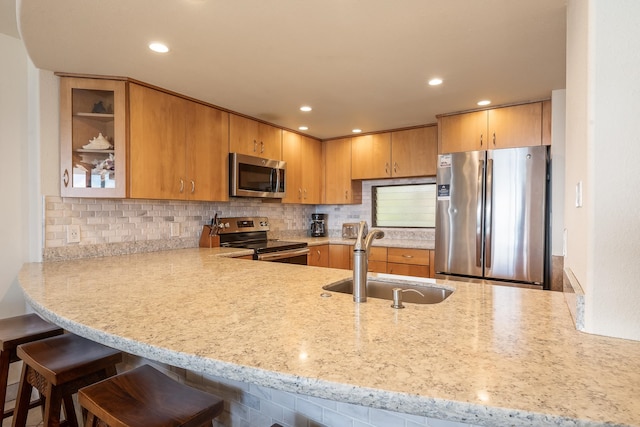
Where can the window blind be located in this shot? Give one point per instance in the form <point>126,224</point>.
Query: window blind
<point>405,206</point>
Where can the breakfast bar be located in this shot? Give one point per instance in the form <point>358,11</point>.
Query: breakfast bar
<point>486,355</point>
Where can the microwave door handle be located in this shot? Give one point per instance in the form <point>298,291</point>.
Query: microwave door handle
<point>271,174</point>
<point>277,172</point>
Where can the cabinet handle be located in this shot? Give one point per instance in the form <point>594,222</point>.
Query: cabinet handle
<point>346,194</point>
<point>407,256</point>
<point>181,185</point>
<point>494,139</point>
<point>65,178</point>
<point>386,168</point>
<point>261,147</point>
<point>255,145</point>
<point>305,194</point>
<point>300,193</point>
<point>481,135</point>
<point>193,187</point>
<point>395,167</point>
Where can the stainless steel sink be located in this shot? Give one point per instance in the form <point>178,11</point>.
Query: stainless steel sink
<point>384,290</point>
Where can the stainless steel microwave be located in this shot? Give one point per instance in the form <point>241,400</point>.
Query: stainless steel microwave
<point>251,176</point>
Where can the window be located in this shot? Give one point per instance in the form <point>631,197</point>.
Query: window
<point>411,206</point>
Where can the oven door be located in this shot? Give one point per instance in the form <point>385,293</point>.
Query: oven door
<point>294,256</point>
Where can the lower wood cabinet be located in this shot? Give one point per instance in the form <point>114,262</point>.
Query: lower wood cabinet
<point>409,262</point>
<point>340,256</point>
<point>319,256</point>
<point>403,261</point>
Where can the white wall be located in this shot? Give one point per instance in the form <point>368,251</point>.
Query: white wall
<point>14,172</point>
<point>603,145</point>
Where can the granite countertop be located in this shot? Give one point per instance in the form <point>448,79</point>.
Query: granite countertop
<point>487,355</point>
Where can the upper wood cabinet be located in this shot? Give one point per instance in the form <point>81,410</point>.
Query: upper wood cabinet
<point>178,148</point>
<point>93,137</point>
<point>254,138</point>
<point>414,152</point>
<point>398,154</point>
<point>303,156</point>
<point>371,156</point>
<point>338,186</point>
<point>505,127</point>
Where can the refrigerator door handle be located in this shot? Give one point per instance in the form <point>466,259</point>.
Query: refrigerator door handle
<point>488,214</point>
<point>479,215</point>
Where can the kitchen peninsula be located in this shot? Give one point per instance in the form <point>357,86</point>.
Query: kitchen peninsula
<point>487,355</point>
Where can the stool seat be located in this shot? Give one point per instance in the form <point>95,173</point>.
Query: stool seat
<point>145,397</point>
<point>13,332</point>
<point>58,367</point>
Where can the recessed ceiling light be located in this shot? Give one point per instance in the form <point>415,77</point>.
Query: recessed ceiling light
<point>356,130</point>
<point>435,82</point>
<point>305,108</point>
<point>303,127</point>
<point>484,102</point>
<point>158,47</point>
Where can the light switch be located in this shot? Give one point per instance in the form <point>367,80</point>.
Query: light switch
<point>579,194</point>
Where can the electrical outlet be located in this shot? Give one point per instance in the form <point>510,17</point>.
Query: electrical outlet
<point>175,229</point>
<point>73,234</point>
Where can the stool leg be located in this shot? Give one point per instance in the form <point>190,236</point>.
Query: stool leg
<point>69,411</point>
<point>92,421</point>
<point>22,401</point>
<point>52,408</point>
<point>4,378</point>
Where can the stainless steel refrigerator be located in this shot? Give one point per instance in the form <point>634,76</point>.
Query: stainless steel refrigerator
<point>491,216</point>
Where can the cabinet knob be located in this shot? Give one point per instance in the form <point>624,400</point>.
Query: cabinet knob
<point>65,178</point>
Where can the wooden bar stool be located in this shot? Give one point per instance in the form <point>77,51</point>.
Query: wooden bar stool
<point>145,397</point>
<point>13,332</point>
<point>58,367</point>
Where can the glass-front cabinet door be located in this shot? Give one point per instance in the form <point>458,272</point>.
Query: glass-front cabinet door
<point>93,132</point>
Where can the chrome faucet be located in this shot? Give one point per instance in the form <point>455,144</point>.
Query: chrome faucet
<point>361,260</point>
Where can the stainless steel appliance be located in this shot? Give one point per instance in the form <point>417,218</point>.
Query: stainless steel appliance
<point>251,176</point>
<point>318,225</point>
<point>491,216</point>
<point>251,233</point>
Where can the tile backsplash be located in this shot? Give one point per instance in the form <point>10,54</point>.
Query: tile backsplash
<point>121,226</point>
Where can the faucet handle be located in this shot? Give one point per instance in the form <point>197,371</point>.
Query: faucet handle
<point>363,230</point>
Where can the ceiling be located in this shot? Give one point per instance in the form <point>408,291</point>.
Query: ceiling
<point>359,63</point>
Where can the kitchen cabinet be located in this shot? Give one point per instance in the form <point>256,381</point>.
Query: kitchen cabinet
<point>303,156</point>
<point>504,127</point>
<point>414,152</point>
<point>409,262</point>
<point>254,138</point>
<point>178,148</point>
<point>338,185</point>
<point>93,137</point>
<point>340,256</point>
<point>397,154</point>
<point>371,156</point>
<point>319,256</point>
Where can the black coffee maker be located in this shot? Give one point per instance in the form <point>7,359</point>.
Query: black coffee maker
<point>318,225</point>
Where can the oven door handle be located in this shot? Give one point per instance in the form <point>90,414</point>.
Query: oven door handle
<point>274,256</point>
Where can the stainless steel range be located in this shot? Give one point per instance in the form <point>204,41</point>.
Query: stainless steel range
<point>251,233</point>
